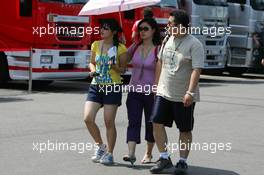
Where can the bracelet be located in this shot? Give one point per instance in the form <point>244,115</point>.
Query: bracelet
<point>190,93</point>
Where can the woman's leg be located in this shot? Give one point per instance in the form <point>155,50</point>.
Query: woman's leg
<point>134,112</point>
<point>109,118</point>
<point>148,154</point>
<point>131,148</point>
<point>148,105</point>
<point>90,111</point>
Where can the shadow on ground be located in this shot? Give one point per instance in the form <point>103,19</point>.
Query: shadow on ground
<point>193,170</point>
<point>11,99</point>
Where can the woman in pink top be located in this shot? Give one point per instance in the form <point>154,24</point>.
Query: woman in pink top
<point>143,57</point>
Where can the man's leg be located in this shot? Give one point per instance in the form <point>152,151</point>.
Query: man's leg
<point>185,141</point>
<point>184,120</point>
<point>160,136</point>
<point>164,164</point>
<point>161,115</point>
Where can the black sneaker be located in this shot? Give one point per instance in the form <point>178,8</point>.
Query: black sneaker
<point>162,166</point>
<point>181,168</point>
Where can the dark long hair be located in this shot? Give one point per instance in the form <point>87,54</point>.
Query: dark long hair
<point>114,27</point>
<point>156,39</point>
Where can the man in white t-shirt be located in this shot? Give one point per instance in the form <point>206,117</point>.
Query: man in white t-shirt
<point>181,59</point>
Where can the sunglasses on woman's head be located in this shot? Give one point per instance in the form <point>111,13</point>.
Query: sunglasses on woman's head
<point>143,29</point>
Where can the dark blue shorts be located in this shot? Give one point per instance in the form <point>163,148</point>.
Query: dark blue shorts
<point>105,94</point>
<point>166,111</point>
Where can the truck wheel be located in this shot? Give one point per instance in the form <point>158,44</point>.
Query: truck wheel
<point>41,83</point>
<point>217,72</point>
<point>236,71</point>
<point>4,73</point>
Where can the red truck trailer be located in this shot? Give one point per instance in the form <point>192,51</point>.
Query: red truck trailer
<point>49,33</point>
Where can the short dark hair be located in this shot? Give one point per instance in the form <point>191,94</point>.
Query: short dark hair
<point>181,17</point>
<point>148,12</point>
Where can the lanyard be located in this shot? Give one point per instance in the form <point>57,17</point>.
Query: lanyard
<point>176,48</point>
<point>102,48</point>
<point>165,42</point>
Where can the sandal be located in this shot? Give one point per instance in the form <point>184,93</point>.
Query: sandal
<point>130,159</point>
<point>146,159</point>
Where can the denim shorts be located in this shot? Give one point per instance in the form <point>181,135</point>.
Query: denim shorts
<point>105,94</point>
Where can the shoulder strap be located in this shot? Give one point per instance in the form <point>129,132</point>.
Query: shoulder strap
<point>165,40</point>
<point>156,53</point>
<point>134,49</point>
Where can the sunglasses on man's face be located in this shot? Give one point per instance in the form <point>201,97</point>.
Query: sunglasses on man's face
<point>145,29</point>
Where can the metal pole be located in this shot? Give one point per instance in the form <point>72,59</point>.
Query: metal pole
<point>121,23</point>
<point>30,72</point>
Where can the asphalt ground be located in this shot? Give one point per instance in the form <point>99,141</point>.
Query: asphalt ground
<point>229,124</point>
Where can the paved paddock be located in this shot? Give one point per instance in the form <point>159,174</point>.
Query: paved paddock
<point>230,115</point>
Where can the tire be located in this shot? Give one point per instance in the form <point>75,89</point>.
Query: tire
<point>41,83</point>
<point>236,71</point>
<point>4,72</point>
<point>213,72</point>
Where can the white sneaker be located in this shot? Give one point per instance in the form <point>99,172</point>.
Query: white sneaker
<point>99,153</point>
<point>107,159</point>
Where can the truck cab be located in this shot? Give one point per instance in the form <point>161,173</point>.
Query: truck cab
<point>207,14</point>
<point>246,20</point>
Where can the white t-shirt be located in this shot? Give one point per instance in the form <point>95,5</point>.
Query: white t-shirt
<point>179,57</point>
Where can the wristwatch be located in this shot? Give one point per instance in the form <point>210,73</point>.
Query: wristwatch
<point>190,93</point>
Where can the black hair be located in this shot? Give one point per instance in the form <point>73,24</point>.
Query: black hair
<point>181,17</point>
<point>154,25</point>
<point>148,12</point>
<point>114,27</point>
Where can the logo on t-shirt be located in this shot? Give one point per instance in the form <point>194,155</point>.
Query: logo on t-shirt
<point>172,59</point>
